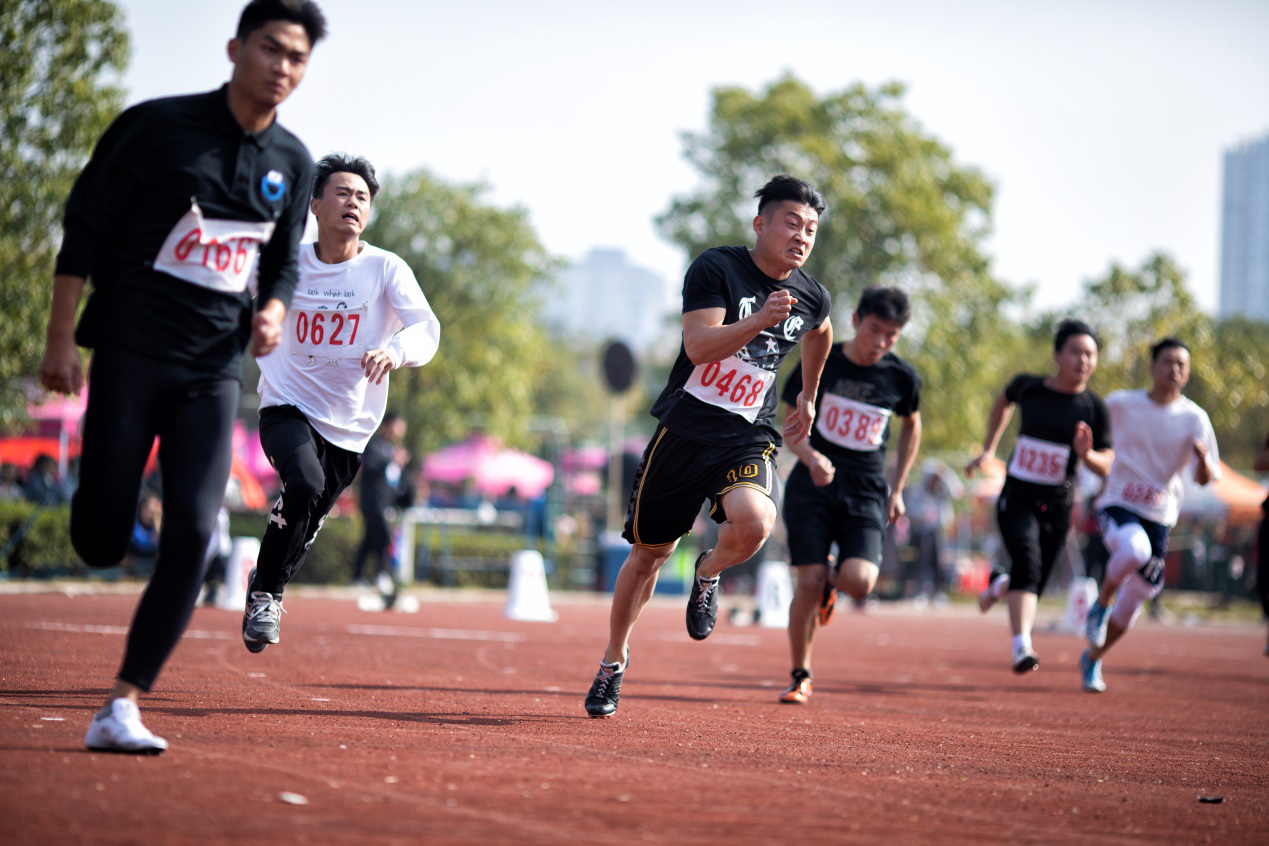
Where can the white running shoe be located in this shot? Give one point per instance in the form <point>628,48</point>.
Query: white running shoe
<point>122,731</point>
<point>989,597</point>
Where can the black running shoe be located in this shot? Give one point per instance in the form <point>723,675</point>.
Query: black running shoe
<point>702,605</point>
<point>1025,660</point>
<point>605,690</point>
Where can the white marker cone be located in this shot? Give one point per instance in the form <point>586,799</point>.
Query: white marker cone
<point>1079,598</point>
<point>773,594</point>
<point>527,597</point>
<point>242,557</point>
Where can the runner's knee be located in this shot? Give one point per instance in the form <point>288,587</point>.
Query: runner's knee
<point>857,578</point>
<point>1132,595</point>
<point>1130,549</point>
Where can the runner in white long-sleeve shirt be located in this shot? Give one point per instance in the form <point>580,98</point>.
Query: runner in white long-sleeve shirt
<point>357,314</point>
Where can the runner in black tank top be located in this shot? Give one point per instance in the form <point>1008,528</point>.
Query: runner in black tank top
<point>1062,423</point>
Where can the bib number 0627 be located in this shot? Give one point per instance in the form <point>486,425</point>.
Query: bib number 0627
<point>320,330</point>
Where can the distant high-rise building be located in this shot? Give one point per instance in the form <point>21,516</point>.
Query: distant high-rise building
<point>605,296</point>
<point>1245,232</point>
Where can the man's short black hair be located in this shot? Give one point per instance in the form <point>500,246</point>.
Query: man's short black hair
<point>390,417</point>
<point>306,13</point>
<point>1070,328</point>
<point>783,187</point>
<point>1167,343</point>
<point>334,163</point>
<point>888,304</point>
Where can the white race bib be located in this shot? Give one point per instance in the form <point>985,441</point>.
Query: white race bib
<point>852,424</point>
<point>734,385</point>
<point>327,332</point>
<point>1040,462</point>
<point>215,254</point>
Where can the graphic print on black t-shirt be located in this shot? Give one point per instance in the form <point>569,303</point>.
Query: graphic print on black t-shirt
<point>854,406</point>
<point>1043,454</point>
<point>734,401</point>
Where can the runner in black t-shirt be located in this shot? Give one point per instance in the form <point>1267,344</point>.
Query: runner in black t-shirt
<point>166,219</point>
<point>1062,423</point>
<point>837,492</point>
<point>744,310</point>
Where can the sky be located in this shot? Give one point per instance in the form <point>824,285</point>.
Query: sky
<point>1102,124</point>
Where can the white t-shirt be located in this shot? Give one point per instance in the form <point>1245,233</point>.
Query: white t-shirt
<point>1154,444</point>
<point>338,312</point>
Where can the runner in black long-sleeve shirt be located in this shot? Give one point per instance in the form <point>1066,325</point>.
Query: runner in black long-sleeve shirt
<point>166,219</point>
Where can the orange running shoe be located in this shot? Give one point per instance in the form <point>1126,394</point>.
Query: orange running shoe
<point>800,690</point>
<point>827,603</point>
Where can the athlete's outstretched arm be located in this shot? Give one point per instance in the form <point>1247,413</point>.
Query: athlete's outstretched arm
<point>706,338</point>
<point>61,370</point>
<point>1001,412</point>
<point>909,443</point>
<point>1097,460</point>
<point>822,470</point>
<point>815,347</point>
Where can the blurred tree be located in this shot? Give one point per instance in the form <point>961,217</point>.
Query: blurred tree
<point>900,212</point>
<point>476,264</point>
<point>60,62</point>
<point>1132,309</point>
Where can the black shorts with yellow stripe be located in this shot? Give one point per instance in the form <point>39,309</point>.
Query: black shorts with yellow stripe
<point>677,475</point>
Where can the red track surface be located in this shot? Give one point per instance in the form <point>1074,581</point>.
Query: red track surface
<point>456,725</point>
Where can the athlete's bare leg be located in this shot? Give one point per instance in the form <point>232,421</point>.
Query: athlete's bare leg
<point>856,577</point>
<point>750,516</point>
<point>635,583</point>
<point>1022,605</point>
<point>804,612</point>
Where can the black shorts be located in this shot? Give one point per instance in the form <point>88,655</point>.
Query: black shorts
<point>849,511</point>
<point>676,475</point>
<point>1034,521</point>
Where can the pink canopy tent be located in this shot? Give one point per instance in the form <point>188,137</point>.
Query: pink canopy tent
<point>493,468</point>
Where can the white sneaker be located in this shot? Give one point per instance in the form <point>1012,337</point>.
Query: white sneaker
<point>122,731</point>
<point>988,597</point>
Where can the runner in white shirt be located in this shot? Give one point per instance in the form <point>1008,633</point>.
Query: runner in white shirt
<point>356,315</point>
<point>1159,434</point>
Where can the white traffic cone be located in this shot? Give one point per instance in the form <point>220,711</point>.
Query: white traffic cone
<point>242,557</point>
<point>1079,598</point>
<point>527,597</point>
<point>773,594</point>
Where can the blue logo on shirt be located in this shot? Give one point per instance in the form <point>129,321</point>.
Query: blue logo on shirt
<point>273,186</point>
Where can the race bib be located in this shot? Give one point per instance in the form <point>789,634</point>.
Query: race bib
<point>1141,493</point>
<point>733,385</point>
<point>327,332</point>
<point>215,254</point>
<point>852,424</point>
<point>1039,462</point>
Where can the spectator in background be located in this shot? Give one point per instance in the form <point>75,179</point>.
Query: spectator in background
<point>930,513</point>
<point>10,483</point>
<point>143,544</point>
<point>1262,542</point>
<point>42,487</point>
<point>380,490</point>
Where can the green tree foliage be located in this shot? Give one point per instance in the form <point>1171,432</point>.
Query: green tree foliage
<point>1133,308</point>
<point>900,212</point>
<point>476,264</point>
<point>59,65</point>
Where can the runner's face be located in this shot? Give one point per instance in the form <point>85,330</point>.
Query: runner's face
<point>874,338</point>
<point>344,207</point>
<point>786,234</point>
<point>269,65</point>
<point>1171,370</point>
<point>1077,360</point>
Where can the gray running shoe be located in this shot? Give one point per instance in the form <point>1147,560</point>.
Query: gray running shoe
<point>261,621</point>
<point>605,690</point>
<point>702,605</point>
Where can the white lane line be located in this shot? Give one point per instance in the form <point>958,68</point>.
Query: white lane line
<point>438,634</point>
<point>196,634</point>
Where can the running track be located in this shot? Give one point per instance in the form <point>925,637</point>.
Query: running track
<point>455,725</point>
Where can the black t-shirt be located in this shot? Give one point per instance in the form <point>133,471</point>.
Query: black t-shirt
<point>1044,454</point>
<point>853,409</point>
<point>733,402</point>
<point>179,184</point>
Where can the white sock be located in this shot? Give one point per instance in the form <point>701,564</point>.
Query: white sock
<point>1022,642</point>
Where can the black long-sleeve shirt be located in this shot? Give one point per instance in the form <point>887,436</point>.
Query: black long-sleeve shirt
<point>177,182</point>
